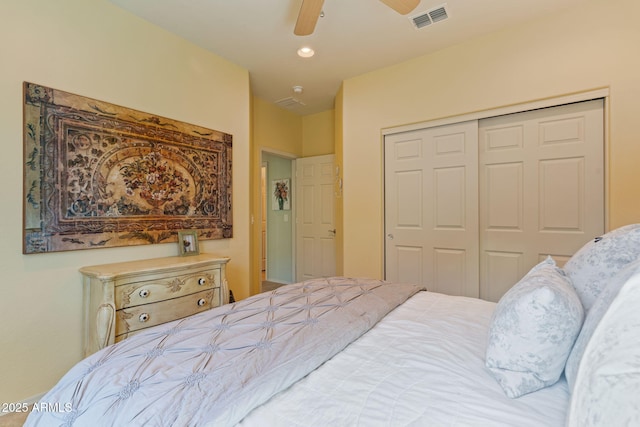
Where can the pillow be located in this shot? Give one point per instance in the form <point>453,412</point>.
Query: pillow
<point>532,330</point>
<point>607,384</point>
<point>593,318</point>
<point>600,259</point>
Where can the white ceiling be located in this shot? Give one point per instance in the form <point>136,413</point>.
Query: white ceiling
<point>353,38</point>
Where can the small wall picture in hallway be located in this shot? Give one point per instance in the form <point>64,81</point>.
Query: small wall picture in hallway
<point>281,195</point>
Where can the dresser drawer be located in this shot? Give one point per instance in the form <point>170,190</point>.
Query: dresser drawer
<point>147,315</point>
<point>122,299</point>
<point>133,293</point>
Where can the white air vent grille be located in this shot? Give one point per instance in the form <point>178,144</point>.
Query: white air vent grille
<point>289,103</point>
<point>421,21</point>
<point>430,17</point>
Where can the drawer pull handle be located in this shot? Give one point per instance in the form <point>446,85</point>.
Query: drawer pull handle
<point>202,281</point>
<point>202,302</point>
<point>143,317</point>
<point>144,293</point>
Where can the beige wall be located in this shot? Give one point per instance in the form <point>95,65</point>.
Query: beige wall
<point>275,128</point>
<point>593,46</point>
<point>94,49</point>
<point>278,131</point>
<point>318,134</point>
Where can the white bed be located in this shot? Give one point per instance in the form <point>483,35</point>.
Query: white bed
<point>560,348</point>
<point>422,365</point>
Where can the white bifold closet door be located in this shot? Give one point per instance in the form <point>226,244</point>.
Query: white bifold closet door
<point>471,207</point>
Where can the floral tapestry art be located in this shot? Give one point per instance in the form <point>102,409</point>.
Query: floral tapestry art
<point>101,175</point>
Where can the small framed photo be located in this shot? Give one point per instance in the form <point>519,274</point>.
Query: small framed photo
<point>188,242</point>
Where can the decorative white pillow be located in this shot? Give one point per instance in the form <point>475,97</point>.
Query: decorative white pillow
<point>593,318</point>
<point>607,386</point>
<point>600,259</point>
<point>533,329</point>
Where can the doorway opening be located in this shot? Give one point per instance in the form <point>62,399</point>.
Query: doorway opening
<point>277,221</point>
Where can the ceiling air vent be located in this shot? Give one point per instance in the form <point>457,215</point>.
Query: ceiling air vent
<point>289,103</point>
<point>430,17</point>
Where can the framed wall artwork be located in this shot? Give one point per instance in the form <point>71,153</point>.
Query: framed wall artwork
<point>100,175</point>
<point>281,195</point>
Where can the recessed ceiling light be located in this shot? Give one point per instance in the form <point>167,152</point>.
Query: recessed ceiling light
<point>305,52</point>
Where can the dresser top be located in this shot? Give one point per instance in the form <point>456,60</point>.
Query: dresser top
<point>105,271</point>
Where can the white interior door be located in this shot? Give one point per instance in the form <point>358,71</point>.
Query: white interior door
<point>541,189</point>
<point>431,208</point>
<point>315,231</point>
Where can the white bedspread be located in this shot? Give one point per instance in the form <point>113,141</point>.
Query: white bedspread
<point>422,365</point>
<point>214,367</point>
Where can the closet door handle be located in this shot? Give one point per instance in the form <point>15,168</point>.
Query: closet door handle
<point>390,236</point>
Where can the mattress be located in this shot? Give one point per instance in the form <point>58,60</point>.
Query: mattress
<point>422,365</point>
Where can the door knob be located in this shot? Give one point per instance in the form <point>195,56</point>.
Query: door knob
<point>333,231</point>
<point>390,236</point>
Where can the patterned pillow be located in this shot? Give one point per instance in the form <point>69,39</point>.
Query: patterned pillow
<point>600,259</point>
<point>593,318</point>
<point>532,330</point>
<point>607,385</point>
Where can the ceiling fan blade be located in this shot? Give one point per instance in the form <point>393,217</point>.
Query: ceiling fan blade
<point>307,17</point>
<point>402,6</point>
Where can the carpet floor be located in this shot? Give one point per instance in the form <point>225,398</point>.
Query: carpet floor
<point>14,419</point>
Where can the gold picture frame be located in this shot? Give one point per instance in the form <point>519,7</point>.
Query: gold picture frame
<point>188,242</point>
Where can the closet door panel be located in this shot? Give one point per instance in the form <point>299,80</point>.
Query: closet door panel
<point>450,271</point>
<point>561,184</point>
<point>408,190</point>
<point>404,209</point>
<point>471,207</point>
<point>502,270</point>
<point>409,264</point>
<point>449,201</point>
<point>556,197</point>
<point>504,196</point>
<point>431,205</point>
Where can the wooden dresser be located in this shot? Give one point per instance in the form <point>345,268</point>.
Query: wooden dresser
<point>124,298</point>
